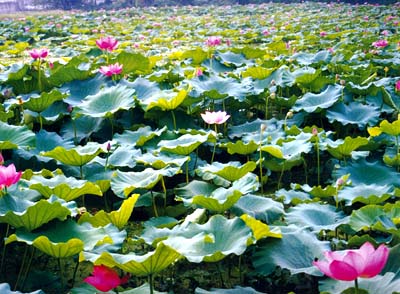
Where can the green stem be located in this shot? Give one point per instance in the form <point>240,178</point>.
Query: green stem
<point>318,162</point>
<point>281,175</point>
<point>21,268</point>
<point>355,286</point>
<point>165,191</point>
<point>397,150</point>
<point>112,126</point>
<point>3,255</point>
<point>75,271</point>
<point>74,127</point>
<point>215,144</point>
<point>260,164</point>
<point>154,204</point>
<point>28,267</point>
<point>266,107</point>
<point>173,119</point>
<point>187,172</point>
<point>151,283</point>
<point>39,76</point>
<point>61,274</point>
<point>40,121</point>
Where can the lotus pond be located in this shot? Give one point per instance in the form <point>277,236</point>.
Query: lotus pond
<point>201,150</point>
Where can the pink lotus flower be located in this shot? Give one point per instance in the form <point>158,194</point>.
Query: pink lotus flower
<point>104,278</point>
<point>218,117</point>
<point>112,69</point>
<point>1,159</point>
<point>348,265</point>
<point>8,175</point>
<point>107,43</point>
<point>323,34</point>
<point>39,53</point>
<point>213,41</point>
<point>397,86</point>
<point>380,44</point>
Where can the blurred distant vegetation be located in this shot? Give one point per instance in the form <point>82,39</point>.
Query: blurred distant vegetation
<point>111,4</point>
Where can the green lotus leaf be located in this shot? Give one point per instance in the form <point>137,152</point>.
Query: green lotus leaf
<point>229,57</point>
<point>161,222</point>
<point>295,252</point>
<point>230,171</point>
<point>220,199</point>
<point>139,265</point>
<point>240,147</point>
<point>122,156</point>
<point>281,77</point>
<point>159,161</point>
<point>392,264</point>
<point>275,151</point>
<point>363,172</point>
<point>387,283</point>
<point>353,114</point>
<point>366,193</point>
<point>123,183</point>
<point>118,218</point>
<point>63,187</point>
<point>250,131</point>
<point>80,89</point>
<point>138,137</point>
<point>184,145</point>
<point>209,242</point>
<point>310,58</point>
<point>75,69</point>
<point>318,191</point>
<point>13,137</point>
<point>80,128</point>
<point>98,175</point>
<point>170,101</point>
<point>391,157</point>
<point>144,89</point>
<point>292,196</point>
<point>316,217</point>
<point>386,127</point>
<point>67,238</point>
<point>257,72</point>
<point>107,102</point>
<point>216,87</point>
<point>366,217</point>
<point>77,156</point>
<point>259,229</point>
<point>133,63</point>
<point>197,55</point>
<point>261,208</point>
<point>39,103</point>
<point>346,148</point>
<point>22,213</point>
<point>310,79</point>
<point>236,290</point>
<point>15,72</point>
<point>45,141</point>
<point>311,102</point>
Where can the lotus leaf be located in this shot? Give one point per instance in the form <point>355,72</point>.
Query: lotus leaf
<point>80,89</point>
<point>366,217</point>
<point>378,284</point>
<point>366,193</point>
<point>392,129</point>
<point>259,207</point>
<point>138,137</point>
<point>39,103</point>
<point>236,290</point>
<point>159,161</point>
<point>75,69</point>
<point>347,147</point>
<point>107,102</point>
<point>23,213</point>
<point>140,265</point>
<point>230,171</point>
<point>311,102</point>
<point>65,239</point>
<point>259,229</point>
<point>5,289</point>
<point>316,217</point>
<point>13,137</point>
<point>133,62</point>
<point>122,156</point>
<point>220,199</point>
<point>240,147</point>
<point>63,187</point>
<point>295,252</point>
<point>170,101</point>
<point>292,195</point>
<point>118,218</point>
<point>209,242</point>
<point>391,157</point>
<point>80,128</point>
<point>184,145</point>
<point>362,172</point>
<point>77,156</point>
<point>123,183</point>
<point>89,289</point>
<point>15,72</point>
<point>320,192</point>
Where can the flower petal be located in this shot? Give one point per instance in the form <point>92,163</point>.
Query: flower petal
<point>342,271</point>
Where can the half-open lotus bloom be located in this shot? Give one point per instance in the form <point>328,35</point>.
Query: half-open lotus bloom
<point>8,176</point>
<point>348,265</point>
<point>397,86</point>
<point>380,44</point>
<point>39,53</point>
<point>107,43</point>
<point>213,41</point>
<point>104,278</point>
<point>112,69</point>
<point>218,117</point>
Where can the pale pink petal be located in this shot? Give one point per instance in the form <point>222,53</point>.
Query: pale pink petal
<point>376,262</point>
<point>355,260</point>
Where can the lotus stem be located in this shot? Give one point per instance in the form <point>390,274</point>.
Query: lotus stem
<point>154,204</point>
<point>74,127</point>
<point>173,119</point>
<point>318,162</point>
<point>28,268</point>
<point>355,286</point>
<point>215,144</point>
<point>21,268</point>
<point>187,172</point>
<point>75,271</point>
<point>40,121</point>
<point>260,160</point>
<point>266,106</point>
<point>151,283</point>
<point>281,175</point>
<point>112,126</point>
<point>39,76</point>
<point>397,150</point>
<point>3,255</point>
<point>165,191</point>
<point>61,274</point>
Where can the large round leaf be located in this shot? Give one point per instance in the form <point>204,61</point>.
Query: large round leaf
<point>138,137</point>
<point>184,145</point>
<point>5,289</point>
<point>295,252</point>
<point>39,103</point>
<point>106,102</point>
<point>236,290</point>
<point>13,137</point>
<point>230,171</point>
<point>366,193</point>
<point>64,239</point>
